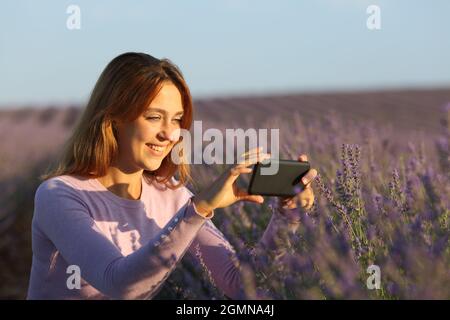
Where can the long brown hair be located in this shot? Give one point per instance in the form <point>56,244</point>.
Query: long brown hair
<point>123,92</point>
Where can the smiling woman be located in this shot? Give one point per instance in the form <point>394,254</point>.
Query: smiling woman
<point>132,84</point>
<point>111,208</point>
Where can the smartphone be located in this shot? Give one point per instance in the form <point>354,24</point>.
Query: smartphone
<point>283,183</point>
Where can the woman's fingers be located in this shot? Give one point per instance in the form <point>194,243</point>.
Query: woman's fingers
<point>306,198</point>
<point>243,195</point>
<point>309,203</point>
<point>243,157</point>
<point>235,171</point>
<point>250,155</point>
<point>254,158</point>
<point>311,174</point>
<point>259,149</point>
<point>309,177</point>
<point>289,203</point>
<point>303,158</point>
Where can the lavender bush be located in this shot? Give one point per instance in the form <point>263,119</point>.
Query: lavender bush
<point>378,203</point>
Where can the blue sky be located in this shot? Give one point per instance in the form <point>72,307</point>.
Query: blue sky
<point>225,47</point>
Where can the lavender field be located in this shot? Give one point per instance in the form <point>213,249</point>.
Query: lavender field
<point>382,196</point>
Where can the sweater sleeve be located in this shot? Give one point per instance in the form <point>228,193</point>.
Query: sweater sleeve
<point>218,257</point>
<point>63,217</point>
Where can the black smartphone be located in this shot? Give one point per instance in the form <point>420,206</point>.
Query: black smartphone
<point>283,183</point>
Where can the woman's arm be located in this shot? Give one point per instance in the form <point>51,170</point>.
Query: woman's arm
<point>63,217</point>
<point>217,253</point>
<point>214,251</point>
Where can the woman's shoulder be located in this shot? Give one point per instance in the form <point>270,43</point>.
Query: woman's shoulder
<point>57,197</point>
<point>59,202</point>
<point>62,184</point>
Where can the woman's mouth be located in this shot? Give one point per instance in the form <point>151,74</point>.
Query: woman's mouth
<point>156,150</point>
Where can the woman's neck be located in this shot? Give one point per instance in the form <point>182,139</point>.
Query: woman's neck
<point>128,186</point>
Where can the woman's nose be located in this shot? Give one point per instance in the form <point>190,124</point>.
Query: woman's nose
<point>170,133</point>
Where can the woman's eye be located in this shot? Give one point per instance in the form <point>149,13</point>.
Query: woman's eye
<point>157,118</point>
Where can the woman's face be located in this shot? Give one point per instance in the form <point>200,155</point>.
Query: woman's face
<point>146,141</point>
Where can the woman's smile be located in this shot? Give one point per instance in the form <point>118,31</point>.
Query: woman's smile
<point>156,149</point>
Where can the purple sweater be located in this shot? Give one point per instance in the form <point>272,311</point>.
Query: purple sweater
<point>118,243</point>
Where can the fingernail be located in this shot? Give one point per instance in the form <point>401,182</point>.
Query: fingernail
<point>304,180</point>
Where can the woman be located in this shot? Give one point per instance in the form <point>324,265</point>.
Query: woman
<point>111,214</point>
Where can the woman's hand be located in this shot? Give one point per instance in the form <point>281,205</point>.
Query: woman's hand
<point>223,192</point>
<point>305,196</point>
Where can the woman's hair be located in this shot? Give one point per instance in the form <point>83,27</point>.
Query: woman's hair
<point>123,92</point>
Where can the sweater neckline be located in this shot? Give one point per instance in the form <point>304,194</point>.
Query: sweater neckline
<point>119,200</point>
